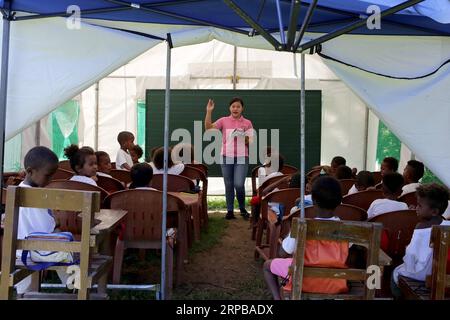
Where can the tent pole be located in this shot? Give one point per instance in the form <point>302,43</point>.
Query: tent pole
<point>166,160</point>
<point>280,22</point>
<point>4,88</point>
<point>97,100</point>
<point>302,138</point>
<point>366,138</point>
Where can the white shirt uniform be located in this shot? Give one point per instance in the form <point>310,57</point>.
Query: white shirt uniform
<point>122,158</point>
<point>381,206</point>
<point>352,190</point>
<point>84,179</point>
<point>411,187</point>
<point>175,169</point>
<point>262,177</point>
<point>418,259</point>
<point>102,174</point>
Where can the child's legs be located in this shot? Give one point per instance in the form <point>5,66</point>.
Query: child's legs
<point>228,178</point>
<point>271,280</point>
<point>240,173</point>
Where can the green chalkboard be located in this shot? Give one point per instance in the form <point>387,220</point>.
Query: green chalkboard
<point>267,109</point>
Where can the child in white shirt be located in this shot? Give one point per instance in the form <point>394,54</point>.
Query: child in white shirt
<point>40,165</point>
<point>364,180</point>
<point>103,164</point>
<point>123,158</point>
<point>392,188</point>
<point>412,173</point>
<point>83,162</point>
<point>141,176</point>
<point>432,201</point>
<point>272,168</point>
<point>158,163</point>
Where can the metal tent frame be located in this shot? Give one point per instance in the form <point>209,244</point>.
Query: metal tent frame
<point>290,44</point>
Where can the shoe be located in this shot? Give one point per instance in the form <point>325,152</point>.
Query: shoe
<point>245,214</point>
<point>230,215</point>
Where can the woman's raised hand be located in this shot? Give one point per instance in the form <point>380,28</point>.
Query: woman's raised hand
<point>210,105</point>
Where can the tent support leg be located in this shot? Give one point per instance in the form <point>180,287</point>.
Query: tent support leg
<point>4,89</point>
<point>302,138</point>
<point>166,159</point>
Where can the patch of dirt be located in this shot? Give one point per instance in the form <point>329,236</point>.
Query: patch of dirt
<point>226,271</point>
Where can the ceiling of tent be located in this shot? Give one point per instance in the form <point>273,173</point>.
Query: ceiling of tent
<point>328,15</point>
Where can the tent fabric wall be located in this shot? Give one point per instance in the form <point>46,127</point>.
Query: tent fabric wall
<point>417,111</point>
<point>48,65</point>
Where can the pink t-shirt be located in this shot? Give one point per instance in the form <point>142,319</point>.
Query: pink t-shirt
<point>233,135</point>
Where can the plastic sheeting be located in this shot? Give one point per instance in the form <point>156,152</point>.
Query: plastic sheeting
<point>50,64</point>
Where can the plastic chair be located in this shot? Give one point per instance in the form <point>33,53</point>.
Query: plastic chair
<point>377,177</point>
<point>110,184</point>
<point>363,199</point>
<point>196,174</point>
<point>65,165</point>
<point>121,175</point>
<point>175,183</point>
<point>410,199</point>
<point>143,226</point>
<point>62,174</point>
<point>346,185</point>
<point>200,166</point>
<point>76,185</point>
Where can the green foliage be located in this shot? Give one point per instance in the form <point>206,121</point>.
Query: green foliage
<point>219,203</point>
<point>388,144</point>
<point>429,177</point>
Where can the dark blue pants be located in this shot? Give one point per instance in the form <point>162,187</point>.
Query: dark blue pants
<point>234,171</point>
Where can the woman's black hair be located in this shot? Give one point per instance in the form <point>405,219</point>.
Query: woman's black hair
<point>77,156</point>
<point>237,99</point>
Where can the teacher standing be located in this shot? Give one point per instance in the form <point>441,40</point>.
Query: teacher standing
<point>237,133</point>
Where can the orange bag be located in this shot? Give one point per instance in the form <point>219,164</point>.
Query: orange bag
<point>328,254</point>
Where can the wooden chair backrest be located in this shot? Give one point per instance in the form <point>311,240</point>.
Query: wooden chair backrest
<point>286,196</point>
<point>76,185</point>
<point>175,183</point>
<point>123,176</point>
<point>363,199</point>
<point>410,199</point>
<point>65,165</point>
<point>398,227</point>
<point>11,178</point>
<point>109,184</point>
<point>85,201</point>
<point>346,185</point>
<point>362,233</point>
<point>200,166</point>
<point>269,181</point>
<point>62,174</point>
<point>377,177</point>
<point>254,176</point>
<point>144,207</point>
<point>440,280</point>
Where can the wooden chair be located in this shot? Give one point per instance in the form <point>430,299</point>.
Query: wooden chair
<point>143,226</point>
<point>367,234</point>
<point>175,183</point>
<point>65,165</point>
<point>410,199</point>
<point>196,174</point>
<point>287,197</point>
<point>76,185</point>
<point>346,185</point>
<point>123,176</point>
<point>93,268</point>
<point>200,166</point>
<point>363,199</point>
<point>377,177</point>
<point>11,179</point>
<point>287,169</point>
<point>62,174</point>
<point>398,227</point>
<point>439,281</point>
<point>111,185</point>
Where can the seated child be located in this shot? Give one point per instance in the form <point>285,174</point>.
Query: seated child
<point>83,162</point>
<point>268,170</point>
<point>412,173</point>
<point>343,172</point>
<point>136,153</point>
<point>40,165</point>
<point>123,158</point>
<point>158,163</point>
<point>103,164</point>
<point>326,195</point>
<point>141,176</point>
<point>336,162</point>
<point>183,153</point>
<point>432,200</point>
<point>364,181</point>
<point>388,165</point>
<point>392,188</point>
